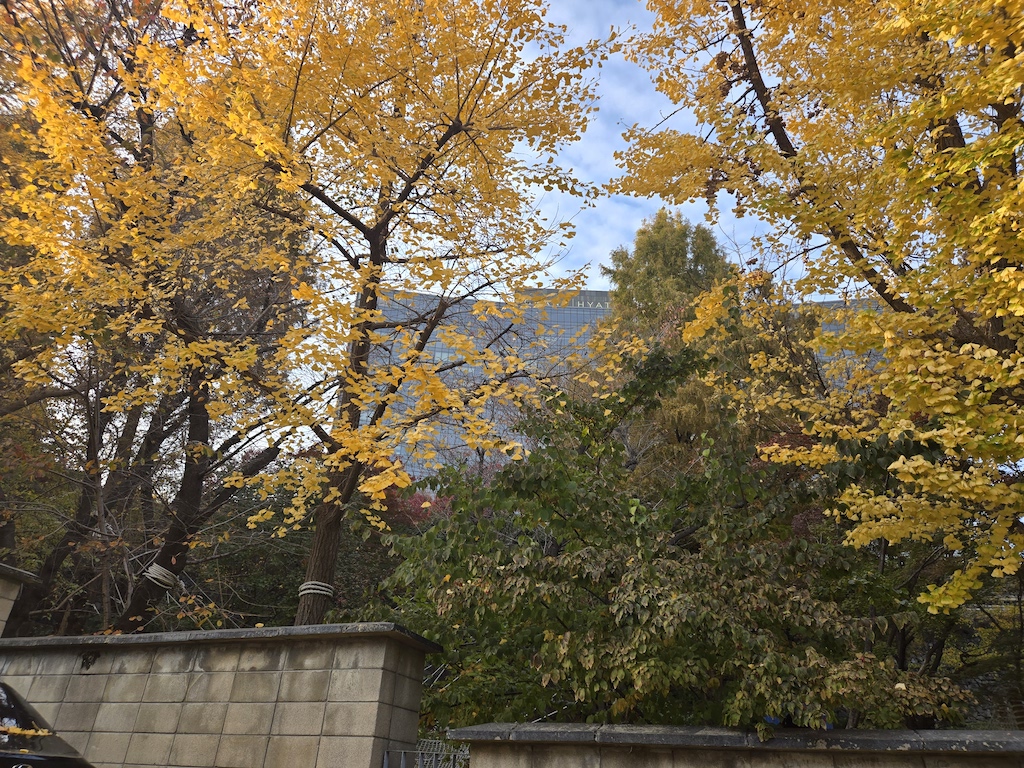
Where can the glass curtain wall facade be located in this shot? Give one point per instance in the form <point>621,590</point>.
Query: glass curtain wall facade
<point>552,332</point>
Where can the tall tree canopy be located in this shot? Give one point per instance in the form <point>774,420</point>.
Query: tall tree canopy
<point>654,289</point>
<point>217,201</point>
<point>885,138</point>
<point>672,261</point>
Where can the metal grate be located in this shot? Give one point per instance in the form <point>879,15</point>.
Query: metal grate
<point>429,753</point>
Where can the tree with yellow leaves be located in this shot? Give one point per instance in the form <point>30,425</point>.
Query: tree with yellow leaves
<point>233,198</point>
<point>883,139</point>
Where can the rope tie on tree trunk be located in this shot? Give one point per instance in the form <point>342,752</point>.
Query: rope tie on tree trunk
<point>161,576</point>
<point>316,588</point>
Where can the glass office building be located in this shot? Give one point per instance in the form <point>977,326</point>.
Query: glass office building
<point>548,335</point>
<point>562,326</point>
<point>566,324</point>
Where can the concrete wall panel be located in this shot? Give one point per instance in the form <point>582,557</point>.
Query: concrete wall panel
<point>335,695</point>
<point>556,745</point>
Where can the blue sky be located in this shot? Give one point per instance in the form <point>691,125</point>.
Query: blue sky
<point>627,97</point>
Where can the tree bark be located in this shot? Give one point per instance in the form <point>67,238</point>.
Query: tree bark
<point>323,553</point>
<point>323,558</point>
<point>184,509</point>
<point>173,554</point>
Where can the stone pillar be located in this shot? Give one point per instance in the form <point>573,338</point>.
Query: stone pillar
<point>316,696</point>
<point>11,580</point>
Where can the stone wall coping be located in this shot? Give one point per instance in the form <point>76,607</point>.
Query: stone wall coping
<point>18,575</point>
<point>256,634</point>
<point>788,739</point>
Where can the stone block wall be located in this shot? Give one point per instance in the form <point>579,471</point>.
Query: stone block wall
<point>323,697</point>
<point>9,590</point>
<point>11,581</point>
<point>548,745</point>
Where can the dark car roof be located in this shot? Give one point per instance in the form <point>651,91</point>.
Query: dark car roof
<point>49,751</point>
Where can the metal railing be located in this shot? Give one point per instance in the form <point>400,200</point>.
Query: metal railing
<point>428,754</point>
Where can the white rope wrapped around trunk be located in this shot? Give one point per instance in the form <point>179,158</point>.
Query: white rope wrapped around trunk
<point>161,576</point>
<point>316,588</point>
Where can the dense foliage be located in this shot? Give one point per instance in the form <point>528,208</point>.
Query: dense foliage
<point>562,587</point>
<point>881,142</point>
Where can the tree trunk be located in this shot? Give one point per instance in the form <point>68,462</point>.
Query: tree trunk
<point>323,554</point>
<point>173,555</point>
<point>184,511</point>
<point>323,559</point>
